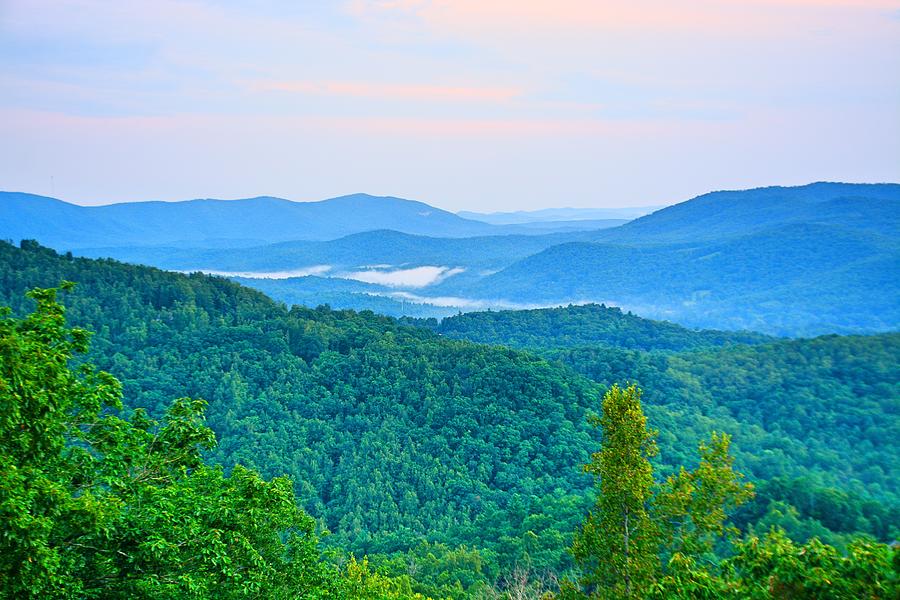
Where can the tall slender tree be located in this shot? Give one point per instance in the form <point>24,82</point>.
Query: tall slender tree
<point>618,544</point>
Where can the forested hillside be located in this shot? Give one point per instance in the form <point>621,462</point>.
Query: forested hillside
<point>818,402</point>
<point>590,324</point>
<point>797,279</point>
<point>463,458</point>
<point>392,435</point>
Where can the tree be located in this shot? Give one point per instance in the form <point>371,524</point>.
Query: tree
<point>96,505</point>
<point>618,544</point>
<point>636,523</point>
<point>693,506</point>
<point>775,568</point>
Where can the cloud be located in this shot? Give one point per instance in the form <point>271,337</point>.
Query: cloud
<point>189,126</point>
<point>394,91</point>
<point>416,277</point>
<point>492,103</point>
<point>530,17</point>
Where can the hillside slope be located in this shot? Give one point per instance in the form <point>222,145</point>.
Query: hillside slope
<point>574,326</point>
<point>797,279</point>
<point>380,247</point>
<point>717,215</point>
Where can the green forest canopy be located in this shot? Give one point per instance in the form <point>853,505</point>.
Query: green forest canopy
<point>406,444</point>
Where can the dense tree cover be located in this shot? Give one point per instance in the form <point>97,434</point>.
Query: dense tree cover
<point>827,406</point>
<point>451,462</point>
<point>392,435</point>
<point>817,416</point>
<point>94,505</point>
<point>574,326</point>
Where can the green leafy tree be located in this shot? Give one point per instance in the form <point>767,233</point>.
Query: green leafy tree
<point>775,568</point>
<point>694,506</point>
<point>637,523</point>
<point>618,544</point>
<point>94,505</point>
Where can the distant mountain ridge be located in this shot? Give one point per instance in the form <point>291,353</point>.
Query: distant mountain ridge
<point>874,207</point>
<point>236,223</point>
<point>251,221</point>
<point>814,259</point>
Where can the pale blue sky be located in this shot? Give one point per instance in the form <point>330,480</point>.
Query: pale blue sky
<point>465,104</point>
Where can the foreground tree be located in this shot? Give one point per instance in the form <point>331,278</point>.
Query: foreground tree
<point>775,568</point>
<point>635,522</point>
<point>93,505</point>
<point>673,540</point>
<point>618,544</point>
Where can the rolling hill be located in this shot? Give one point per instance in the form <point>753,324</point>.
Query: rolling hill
<point>780,260</point>
<point>797,279</point>
<point>577,326</point>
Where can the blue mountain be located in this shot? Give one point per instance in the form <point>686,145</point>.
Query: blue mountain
<point>204,223</point>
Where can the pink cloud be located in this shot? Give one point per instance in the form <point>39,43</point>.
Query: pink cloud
<point>418,92</point>
<point>705,16</point>
<point>181,125</point>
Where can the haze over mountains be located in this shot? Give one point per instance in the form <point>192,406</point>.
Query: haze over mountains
<point>794,261</point>
<point>565,214</point>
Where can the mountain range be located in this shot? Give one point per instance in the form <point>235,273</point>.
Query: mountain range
<point>236,223</point>
<point>801,260</point>
<point>780,260</point>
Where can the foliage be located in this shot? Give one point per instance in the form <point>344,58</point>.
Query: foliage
<point>617,546</point>
<point>694,506</point>
<point>392,435</point>
<point>774,567</point>
<point>405,444</point>
<point>576,326</point>
<point>686,517</point>
<point>95,505</point>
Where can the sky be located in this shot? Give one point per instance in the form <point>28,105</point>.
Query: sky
<point>486,105</point>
